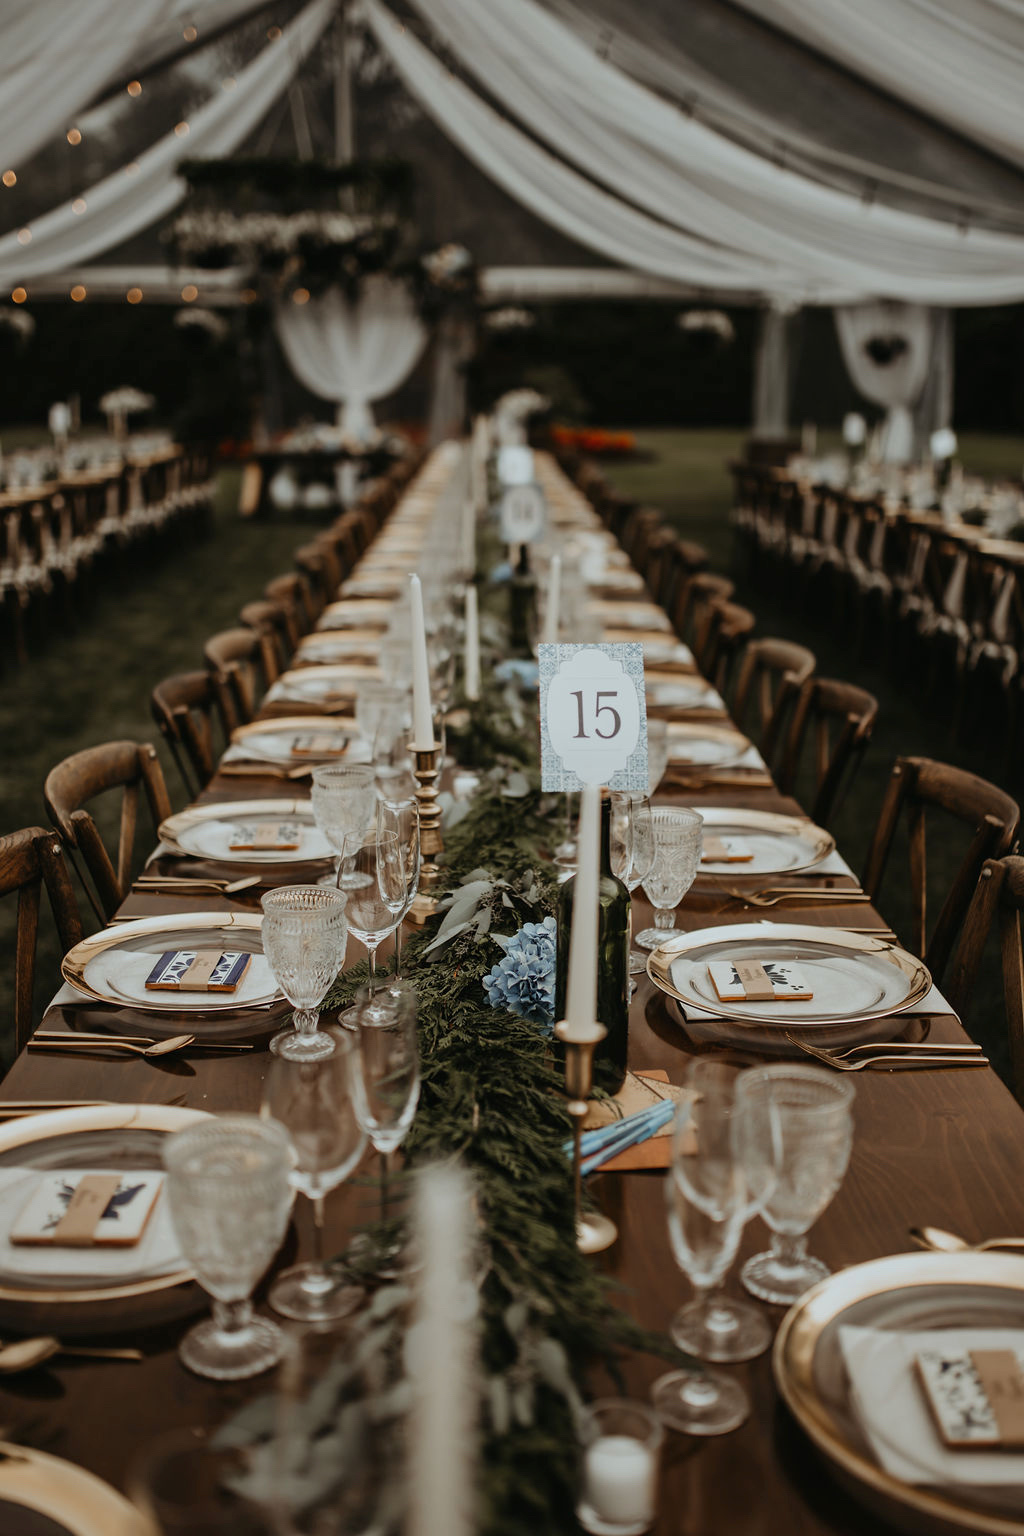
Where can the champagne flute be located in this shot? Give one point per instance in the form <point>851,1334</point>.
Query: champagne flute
<point>312,1103</point>
<point>304,938</point>
<point>632,849</point>
<point>377,893</point>
<point>229,1192</point>
<point>343,797</point>
<point>385,1066</point>
<point>657,753</point>
<point>677,850</point>
<point>402,817</point>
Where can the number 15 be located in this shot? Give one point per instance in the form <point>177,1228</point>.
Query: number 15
<point>599,710</point>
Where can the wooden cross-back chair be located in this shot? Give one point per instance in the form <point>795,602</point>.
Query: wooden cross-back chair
<point>134,768</point>
<point>838,719</point>
<point>237,660</point>
<point>771,674</point>
<point>917,785</point>
<point>271,624</point>
<point>319,566</point>
<point>292,594</point>
<point>702,588</point>
<point>30,859</point>
<point>996,905</point>
<point>188,710</point>
<point>724,629</point>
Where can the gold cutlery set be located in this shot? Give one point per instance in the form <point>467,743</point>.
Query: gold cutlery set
<point>894,1055</point>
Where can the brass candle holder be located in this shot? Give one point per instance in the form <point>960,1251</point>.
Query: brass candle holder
<point>426,767</point>
<point>594,1232</point>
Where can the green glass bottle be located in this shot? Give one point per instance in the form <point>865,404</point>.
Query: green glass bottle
<point>522,606</point>
<point>612,959</point>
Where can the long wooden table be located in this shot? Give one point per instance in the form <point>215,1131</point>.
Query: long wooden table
<point>937,1147</point>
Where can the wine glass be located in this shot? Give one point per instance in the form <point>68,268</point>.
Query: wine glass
<point>714,1327</point>
<point>377,701</point>
<point>801,1119</point>
<point>657,753</point>
<point>312,1103</point>
<point>402,817</point>
<point>707,1207</point>
<point>229,1191</point>
<point>376,902</point>
<point>677,850</point>
<point>343,797</point>
<point>385,1067</point>
<point>305,932</point>
<point>632,847</point>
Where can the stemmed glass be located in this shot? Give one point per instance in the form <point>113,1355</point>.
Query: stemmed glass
<point>632,846</point>
<point>386,1070</point>
<point>343,796</point>
<point>711,1326</point>
<point>229,1188</point>
<point>312,1103</point>
<point>707,1207</point>
<point>305,932</point>
<point>677,849</point>
<point>402,817</point>
<point>376,902</point>
<point>378,702</point>
<point>801,1118</point>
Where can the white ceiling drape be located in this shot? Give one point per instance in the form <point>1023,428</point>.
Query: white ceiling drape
<point>961,61</point>
<point>124,203</point>
<point>682,171</point>
<point>896,384</point>
<point>353,354</point>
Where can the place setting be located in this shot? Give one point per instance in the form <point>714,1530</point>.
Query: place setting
<point>291,745</point>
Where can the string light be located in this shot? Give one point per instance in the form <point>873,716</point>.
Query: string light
<point>9,178</point>
<point>249,295</point>
<point>19,295</point>
<point>132,168</point>
<point>79,205</point>
<point>24,236</point>
<point>300,296</point>
<point>189,292</point>
<point>181,129</point>
<point>134,87</point>
<point>228,83</point>
<point>190,34</point>
<point>134,295</point>
<point>74,136</point>
<point>273,33</point>
<point>78,292</point>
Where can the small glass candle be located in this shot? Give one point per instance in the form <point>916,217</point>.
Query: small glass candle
<point>619,1472</point>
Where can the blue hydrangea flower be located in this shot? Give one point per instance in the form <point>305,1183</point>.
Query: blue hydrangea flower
<point>523,981</point>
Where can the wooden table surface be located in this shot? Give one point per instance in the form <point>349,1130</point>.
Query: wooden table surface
<point>945,1148</point>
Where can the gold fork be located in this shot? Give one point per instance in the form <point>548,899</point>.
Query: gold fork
<point>942,1056</point>
<point>773,895</point>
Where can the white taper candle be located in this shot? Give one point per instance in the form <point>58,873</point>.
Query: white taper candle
<point>581,988</point>
<point>422,723</point>
<point>472,645</point>
<point>554,597</point>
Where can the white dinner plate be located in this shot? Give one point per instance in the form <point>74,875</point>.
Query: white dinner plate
<point>207,832</point>
<point>705,746</point>
<point>322,685</point>
<point>778,845</point>
<point>274,741</point>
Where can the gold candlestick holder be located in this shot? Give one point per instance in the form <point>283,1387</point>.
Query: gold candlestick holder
<point>426,767</point>
<point>594,1232</point>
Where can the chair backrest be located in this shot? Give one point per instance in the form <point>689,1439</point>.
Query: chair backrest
<point>30,859</point>
<point>919,784</point>
<point>771,674</point>
<point>293,595</point>
<point>237,663</point>
<point>271,624</point>
<point>187,708</point>
<point>320,568</point>
<point>724,629</point>
<point>838,719</point>
<point>702,588</point>
<point>997,902</point>
<point>130,766</point>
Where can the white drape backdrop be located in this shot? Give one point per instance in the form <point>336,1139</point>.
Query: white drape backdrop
<point>961,61</point>
<point>122,204</point>
<point>685,173</point>
<point>897,384</point>
<point>353,354</point>
<point>772,375</point>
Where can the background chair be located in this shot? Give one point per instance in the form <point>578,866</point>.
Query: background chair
<point>919,785</point>
<point>996,906</point>
<point>724,630</point>
<point>130,766</point>
<point>838,719</point>
<point>30,859</point>
<point>238,663</point>
<point>188,710</point>
<point>771,674</point>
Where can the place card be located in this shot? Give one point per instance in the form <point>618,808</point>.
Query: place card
<point>723,850</point>
<point>198,970</point>
<point>267,837</point>
<point>84,1208</point>
<point>593,717</point>
<point>976,1396</point>
<point>758,981</point>
<point>523,514</point>
<point>319,744</point>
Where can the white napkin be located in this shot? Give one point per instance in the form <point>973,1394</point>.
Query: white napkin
<point>319,683</point>
<point>127,969</point>
<point>659,652</point>
<point>276,747</point>
<point>684,695</point>
<point>156,1252</point>
<point>710,752</point>
<point>889,1402</point>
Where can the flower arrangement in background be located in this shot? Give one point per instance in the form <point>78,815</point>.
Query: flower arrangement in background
<point>118,404</point>
<point>197,319</point>
<point>19,321</point>
<point>523,981</point>
<point>510,318</point>
<point>712,322</point>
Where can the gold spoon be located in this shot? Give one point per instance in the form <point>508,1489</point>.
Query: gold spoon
<point>938,1240</point>
<point>24,1354</point>
<point>158,1048</point>
<point>185,883</point>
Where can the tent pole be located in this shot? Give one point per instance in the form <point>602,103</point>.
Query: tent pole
<point>344,122</point>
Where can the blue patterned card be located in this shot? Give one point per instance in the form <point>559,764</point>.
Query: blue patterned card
<point>593,717</point>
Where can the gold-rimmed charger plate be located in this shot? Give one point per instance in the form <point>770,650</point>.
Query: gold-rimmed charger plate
<point>47,1141</point>
<point>781,845</point>
<point>76,1502</point>
<point>323,684</point>
<point>184,832</point>
<point>270,740</point>
<point>704,746</point>
<point>907,1291</point>
<point>224,1015</point>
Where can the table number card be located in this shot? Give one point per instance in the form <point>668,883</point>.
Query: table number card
<point>593,717</point>
<point>523,514</point>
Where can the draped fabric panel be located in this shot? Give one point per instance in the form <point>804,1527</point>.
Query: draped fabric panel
<point>353,354</point>
<point>961,61</point>
<point>122,204</point>
<point>619,132</point>
<point>772,375</point>
<point>897,383</point>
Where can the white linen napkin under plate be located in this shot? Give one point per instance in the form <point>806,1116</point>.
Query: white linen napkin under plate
<point>889,1402</point>
<point>707,752</point>
<point>126,971</point>
<point>157,1252</point>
